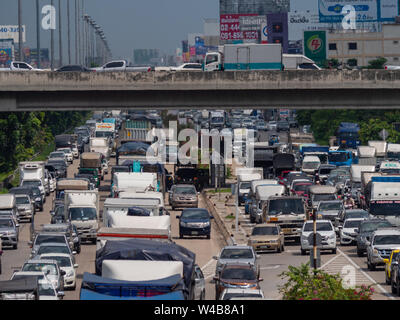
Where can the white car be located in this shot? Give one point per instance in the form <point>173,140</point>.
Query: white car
<point>382,242</point>
<point>188,67</point>
<point>348,232</point>
<point>327,232</point>
<point>68,153</point>
<point>238,293</point>
<point>46,288</point>
<point>50,268</point>
<point>65,263</point>
<point>58,155</point>
<point>272,126</point>
<point>52,182</point>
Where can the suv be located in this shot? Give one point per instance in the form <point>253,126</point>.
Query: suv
<point>348,232</point>
<point>25,207</point>
<point>330,209</point>
<point>327,232</point>
<point>68,230</point>
<point>383,241</point>
<point>68,153</point>
<point>235,254</point>
<point>9,232</point>
<point>241,276</point>
<point>46,237</point>
<point>267,237</point>
<point>183,195</point>
<point>365,231</point>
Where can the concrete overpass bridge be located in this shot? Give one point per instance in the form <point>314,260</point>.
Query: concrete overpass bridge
<point>302,89</point>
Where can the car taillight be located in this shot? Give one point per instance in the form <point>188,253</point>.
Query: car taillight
<point>149,69</point>
<point>386,67</point>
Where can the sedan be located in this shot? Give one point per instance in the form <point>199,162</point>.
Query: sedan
<point>195,222</point>
<point>65,263</point>
<point>9,232</point>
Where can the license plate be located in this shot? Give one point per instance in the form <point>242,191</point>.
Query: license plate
<point>264,247</point>
<point>287,230</point>
<point>195,232</point>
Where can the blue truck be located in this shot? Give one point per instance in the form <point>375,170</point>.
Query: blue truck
<point>347,135</point>
<point>342,158</point>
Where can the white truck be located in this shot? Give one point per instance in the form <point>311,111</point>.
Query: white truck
<point>246,56</point>
<point>100,145</point>
<point>298,62</point>
<point>133,182</point>
<point>82,209</point>
<point>121,65</point>
<point>357,169</point>
<point>32,173</point>
<point>263,193</point>
<point>381,149</point>
<point>104,130</point>
<point>8,206</point>
<point>20,66</point>
<point>140,270</point>
<point>146,198</point>
<point>244,178</point>
<point>366,155</point>
<point>393,151</point>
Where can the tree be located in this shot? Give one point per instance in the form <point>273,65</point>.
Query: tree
<point>377,63</point>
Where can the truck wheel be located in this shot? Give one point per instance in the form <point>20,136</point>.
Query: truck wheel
<point>208,236</point>
<point>359,253</point>
<point>334,251</point>
<point>15,246</point>
<point>303,252</point>
<point>180,236</point>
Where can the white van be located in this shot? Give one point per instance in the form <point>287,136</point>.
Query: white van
<point>310,164</point>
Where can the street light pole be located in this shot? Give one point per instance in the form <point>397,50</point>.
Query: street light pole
<point>52,43</point>
<point>38,33</point>
<point>60,33</point>
<point>69,34</point>
<point>20,54</point>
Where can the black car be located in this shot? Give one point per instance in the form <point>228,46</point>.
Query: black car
<point>59,167</point>
<point>195,222</point>
<point>57,215</point>
<point>37,196</point>
<point>191,175</point>
<point>73,68</point>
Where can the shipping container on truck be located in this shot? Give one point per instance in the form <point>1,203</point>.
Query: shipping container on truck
<point>246,56</point>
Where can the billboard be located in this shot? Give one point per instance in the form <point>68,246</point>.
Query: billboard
<point>6,52</point>
<point>330,11</point>
<point>11,32</point>
<point>315,46</point>
<point>230,28</point>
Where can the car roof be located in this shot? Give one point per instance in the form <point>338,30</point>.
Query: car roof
<point>238,247</point>
<point>54,255</point>
<point>387,231</point>
<point>318,221</point>
<point>41,261</point>
<point>54,244</point>
<point>354,219</point>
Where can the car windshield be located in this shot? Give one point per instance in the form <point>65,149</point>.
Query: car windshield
<point>322,197</point>
<point>185,190</point>
<point>28,184</point>
<point>82,214</point>
<point>237,254</point>
<point>40,267</point>
<point>245,185</point>
<point>321,226</point>
<point>325,171</point>
<point>330,206</point>
<point>44,238</point>
<point>238,274</point>
<point>387,239</point>
<point>6,223</point>
<point>338,157</point>
<point>57,155</point>
<point>352,224</point>
<point>372,226</point>
<point>302,187</point>
<point>286,206</point>
<point>311,165</point>
<point>195,214</point>
<point>36,192</point>
<point>53,249</point>
<point>265,231</point>
<point>62,261</point>
<point>22,200</point>
<point>229,296</point>
<point>356,214</point>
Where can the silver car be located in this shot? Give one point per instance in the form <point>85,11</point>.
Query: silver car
<point>46,237</point>
<point>235,254</point>
<point>200,284</point>
<point>9,232</point>
<point>25,207</point>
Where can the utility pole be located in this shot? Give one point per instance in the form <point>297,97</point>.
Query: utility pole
<point>20,54</point>
<point>69,34</point>
<point>60,33</point>
<point>38,33</point>
<point>76,32</point>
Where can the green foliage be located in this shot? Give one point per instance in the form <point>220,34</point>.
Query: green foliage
<point>377,63</point>
<point>24,134</point>
<point>324,123</point>
<point>304,284</point>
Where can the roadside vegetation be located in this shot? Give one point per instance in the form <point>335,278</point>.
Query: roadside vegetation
<point>325,122</point>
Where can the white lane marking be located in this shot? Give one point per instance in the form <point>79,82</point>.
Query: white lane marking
<point>207,264</point>
<point>269,268</point>
<point>367,276</point>
<point>331,260</point>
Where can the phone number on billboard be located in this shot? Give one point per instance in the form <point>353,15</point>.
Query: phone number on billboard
<point>11,29</point>
<point>239,35</point>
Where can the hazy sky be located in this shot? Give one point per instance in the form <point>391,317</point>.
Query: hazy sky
<point>127,24</point>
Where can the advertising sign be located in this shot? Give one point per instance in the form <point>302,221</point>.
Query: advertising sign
<point>105,126</point>
<point>388,10</point>
<point>315,46</point>
<point>11,32</point>
<point>230,28</point>
<point>298,22</point>
<point>6,52</point>
<point>331,10</point>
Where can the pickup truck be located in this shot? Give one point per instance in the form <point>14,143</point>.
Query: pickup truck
<point>20,66</point>
<point>121,65</point>
<point>392,67</point>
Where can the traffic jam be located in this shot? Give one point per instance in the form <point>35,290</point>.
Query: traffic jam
<point>104,219</point>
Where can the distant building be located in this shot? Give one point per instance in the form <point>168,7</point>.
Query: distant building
<point>362,46</point>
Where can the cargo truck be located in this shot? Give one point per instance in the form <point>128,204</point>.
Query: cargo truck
<point>101,145</point>
<point>32,174</point>
<point>366,155</point>
<point>244,178</point>
<point>82,209</point>
<point>91,164</point>
<point>246,56</point>
<point>381,149</point>
<point>135,130</point>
